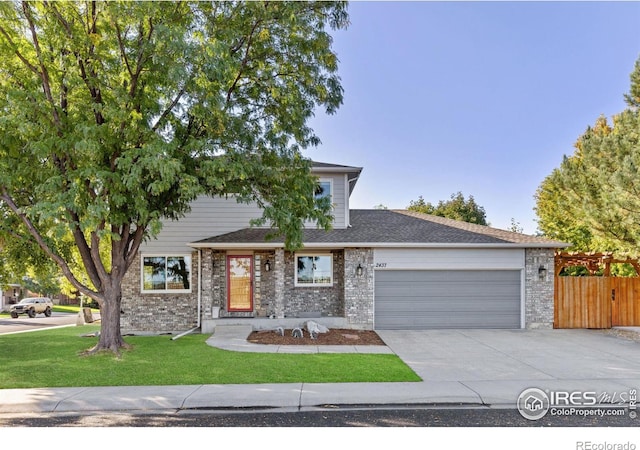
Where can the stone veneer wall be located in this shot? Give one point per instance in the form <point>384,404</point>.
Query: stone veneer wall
<point>539,294</point>
<point>158,312</point>
<point>359,290</point>
<point>274,292</point>
<point>329,301</point>
<point>265,285</point>
<point>210,286</point>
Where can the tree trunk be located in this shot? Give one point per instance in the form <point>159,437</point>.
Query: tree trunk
<point>110,334</point>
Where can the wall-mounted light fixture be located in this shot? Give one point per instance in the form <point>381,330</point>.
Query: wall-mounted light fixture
<point>359,270</point>
<point>542,272</point>
<point>267,266</point>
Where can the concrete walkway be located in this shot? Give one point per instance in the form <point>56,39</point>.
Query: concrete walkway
<point>234,338</point>
<point>487,368</point>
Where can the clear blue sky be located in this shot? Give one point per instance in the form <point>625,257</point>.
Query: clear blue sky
<point>479,97</point>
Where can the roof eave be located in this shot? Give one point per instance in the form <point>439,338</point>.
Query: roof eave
<point>337,169</point>
<point>323,245</point>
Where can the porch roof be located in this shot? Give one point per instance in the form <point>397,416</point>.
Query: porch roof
<point>386,228</point>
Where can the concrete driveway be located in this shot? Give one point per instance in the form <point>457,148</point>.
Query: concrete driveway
<point>470,367</point>
<point>498,365</point>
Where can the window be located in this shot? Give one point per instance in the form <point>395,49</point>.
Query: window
<point>314,270</point>
<point>324,188</point>
<point>166,273</point>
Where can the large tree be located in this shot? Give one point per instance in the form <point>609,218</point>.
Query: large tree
<point>593,198</point>
<point>117,115</point>
<point>457,208</point>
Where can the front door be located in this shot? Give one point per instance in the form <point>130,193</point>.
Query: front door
<point>239,283</point>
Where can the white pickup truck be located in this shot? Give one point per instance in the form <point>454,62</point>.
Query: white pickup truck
<point>32,306</point>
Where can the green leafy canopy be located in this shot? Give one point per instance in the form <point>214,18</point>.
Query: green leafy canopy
<point>117,115</point>
<point>456,208</point>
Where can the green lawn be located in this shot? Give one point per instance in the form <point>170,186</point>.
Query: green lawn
<point>71,309</point>
<point>50,358</point>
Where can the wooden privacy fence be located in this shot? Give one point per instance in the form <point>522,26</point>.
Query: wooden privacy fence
<point>596,302</point>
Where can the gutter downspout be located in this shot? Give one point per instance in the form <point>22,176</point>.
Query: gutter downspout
<point>199,285</point>
<point>183,334</point>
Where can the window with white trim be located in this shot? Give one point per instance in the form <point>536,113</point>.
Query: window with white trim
<point>324,188</point>
<point>314,269</point>
<point>166,273</point>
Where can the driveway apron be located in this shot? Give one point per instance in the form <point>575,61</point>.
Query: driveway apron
<point>499,364</point>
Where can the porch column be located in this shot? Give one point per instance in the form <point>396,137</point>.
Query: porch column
<point>206,284</point>
<point>358,286</point>
<point>279,284</point>
<point>539,288</point>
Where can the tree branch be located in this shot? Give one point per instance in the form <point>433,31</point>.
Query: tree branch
<point>122,49</point>
<point>91,29</point>
<point>85,251</point>
<point>66,270</point>
<point>44,74</point>
<point>168,110</point>
<point>245,60</point>
<point>20,56</point>
<point>133,245</point>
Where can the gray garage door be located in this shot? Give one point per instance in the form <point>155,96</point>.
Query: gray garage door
<point>427,299</point>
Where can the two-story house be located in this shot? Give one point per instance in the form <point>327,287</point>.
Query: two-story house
<point>376,269</point>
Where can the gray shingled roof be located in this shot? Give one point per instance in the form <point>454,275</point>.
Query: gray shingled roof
<point>392,227</point>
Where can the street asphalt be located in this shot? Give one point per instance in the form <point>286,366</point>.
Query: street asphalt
<point>488,368</point>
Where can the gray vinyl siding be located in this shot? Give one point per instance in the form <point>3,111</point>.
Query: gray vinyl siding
<point>215,216</point>
<point>208,217</point>
<point>339,199</point>
<point>447,299</point>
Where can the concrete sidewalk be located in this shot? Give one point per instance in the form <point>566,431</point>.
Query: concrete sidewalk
<point>488,368</point>
<point>234,338</point>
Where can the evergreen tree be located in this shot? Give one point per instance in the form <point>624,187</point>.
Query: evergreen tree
<point>593,198</point>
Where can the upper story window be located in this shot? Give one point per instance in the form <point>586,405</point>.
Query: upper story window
<point>314,270</point>
<point>324,188</point>
<point>166,273</point>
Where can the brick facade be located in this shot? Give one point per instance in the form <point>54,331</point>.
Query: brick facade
<point>359,288</point>
<point>158,312</point>
<point>274,291</point>
<point>326,300</point>
<point>539,290</point>
<point>275,294</point>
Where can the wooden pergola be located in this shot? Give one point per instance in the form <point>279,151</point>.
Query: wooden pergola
<point>593,262</point>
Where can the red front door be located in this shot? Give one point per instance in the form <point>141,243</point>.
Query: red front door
<point>239,283</point>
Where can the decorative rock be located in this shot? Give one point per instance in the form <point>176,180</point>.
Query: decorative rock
<point>280,331</point>
<point>95,334</point>
<point>297,333</point>
<point>315,328</point>
<point>351,336</point>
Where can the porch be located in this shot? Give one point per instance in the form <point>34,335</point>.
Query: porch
<point>208,326</point>
<point>266,288</point>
